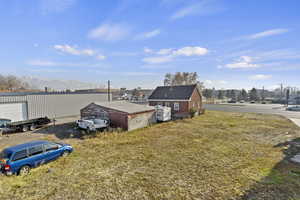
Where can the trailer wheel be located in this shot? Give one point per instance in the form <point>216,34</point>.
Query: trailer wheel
<point>24,128</point>
<point>32,127</point>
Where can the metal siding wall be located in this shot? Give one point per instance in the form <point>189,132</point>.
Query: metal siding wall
<point>60,105</point>
<point>12,99</point>
<point>141,120</point>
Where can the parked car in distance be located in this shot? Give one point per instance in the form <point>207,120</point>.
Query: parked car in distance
<point>21,158</point>
<point>232,101</point>
<point>293,108</point>
<point>252,102</point>
<point>92,124</point>
<point>242,101</point>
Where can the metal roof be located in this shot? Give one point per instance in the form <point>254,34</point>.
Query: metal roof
<point>125,106</point>
<point>179,92</point>
<point>45,93</point>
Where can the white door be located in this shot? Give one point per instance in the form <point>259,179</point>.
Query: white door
<point>13,111</point>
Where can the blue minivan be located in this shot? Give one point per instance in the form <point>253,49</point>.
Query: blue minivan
<point>21,158</point>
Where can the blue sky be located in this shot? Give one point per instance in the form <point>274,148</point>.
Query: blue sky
<point>231,44</point>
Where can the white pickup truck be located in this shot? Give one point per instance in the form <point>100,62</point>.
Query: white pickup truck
<point>92,124</point>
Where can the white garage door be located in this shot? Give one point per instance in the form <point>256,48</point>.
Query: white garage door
<point>13,111</point>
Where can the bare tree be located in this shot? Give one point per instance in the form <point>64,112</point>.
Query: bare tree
<point>12,83</point>
<point>168,79</point>
<point>181,78</point>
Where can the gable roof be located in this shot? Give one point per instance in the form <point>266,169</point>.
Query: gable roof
<point>125,106</point>
<point>179,92</point>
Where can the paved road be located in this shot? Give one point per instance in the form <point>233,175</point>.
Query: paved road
<point>255,108</point>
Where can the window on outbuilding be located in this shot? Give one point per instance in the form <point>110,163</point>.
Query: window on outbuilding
<point>176,106</point>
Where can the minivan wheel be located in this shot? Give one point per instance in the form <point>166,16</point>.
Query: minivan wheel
<point>24,170</point>
<point>65,153</point>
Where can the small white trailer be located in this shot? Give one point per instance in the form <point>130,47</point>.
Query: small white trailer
<point>163,113</point>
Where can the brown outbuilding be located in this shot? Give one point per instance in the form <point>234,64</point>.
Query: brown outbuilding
<point>122,114</point>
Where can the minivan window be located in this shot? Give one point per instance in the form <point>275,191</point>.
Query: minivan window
<point>35,150</point>
<point>19,155</point>
<point>51,147</point>
<point>5,154</point>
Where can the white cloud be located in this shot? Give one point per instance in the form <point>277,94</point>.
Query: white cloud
<point>109,32</point>
<point>241,65</point>
<point>148,50</point>
<point>48,6</point>
<point>215,83</point>
<point>244,62</point>
<point>167,55</point>
<point>164,51</point>
<point>47,63</point>
<point>260,77</point>
<point>204,7</point>
<point>191,51</point>
<point>209,82</point>
<point>78,52</point>
<point>157,60</point>
<point>73,50</point>
<point>148,35</point>
<point>100,57</point>
<point>267,33</point>
<point>139,74</point>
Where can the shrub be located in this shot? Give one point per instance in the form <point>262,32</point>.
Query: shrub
<point>193,112</point>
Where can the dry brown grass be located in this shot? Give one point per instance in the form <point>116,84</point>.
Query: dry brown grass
<point>214,156</point>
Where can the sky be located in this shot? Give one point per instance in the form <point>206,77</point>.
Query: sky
<point>134,43</point>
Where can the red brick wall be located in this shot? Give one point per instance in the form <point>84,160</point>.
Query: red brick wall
<point>196,101</point>
<point>118,119</point>
<point>183,105</point>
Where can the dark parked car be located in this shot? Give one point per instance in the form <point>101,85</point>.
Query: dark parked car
<point>21,158</point>
<point>232,101</point>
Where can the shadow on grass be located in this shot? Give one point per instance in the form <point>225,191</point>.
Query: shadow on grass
<point>62,131</point>
<point>283,182</point>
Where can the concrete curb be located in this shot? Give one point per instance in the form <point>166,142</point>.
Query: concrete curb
<point>296,121</point>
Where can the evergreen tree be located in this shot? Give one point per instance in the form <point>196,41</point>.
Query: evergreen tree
<point>220,94</point>
<point>254,95</point>
<point>244,95</point>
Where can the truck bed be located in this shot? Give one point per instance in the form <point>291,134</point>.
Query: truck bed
<point>38,121</point>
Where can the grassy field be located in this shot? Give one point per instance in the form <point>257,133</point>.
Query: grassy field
<point>214,156</point>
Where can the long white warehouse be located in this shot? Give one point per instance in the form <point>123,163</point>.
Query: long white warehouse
<point>23,106</point>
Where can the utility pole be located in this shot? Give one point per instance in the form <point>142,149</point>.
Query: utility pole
<point>108,90</point>
<point>281,91</point>
<point>263,93</point>
<point>287,96</point>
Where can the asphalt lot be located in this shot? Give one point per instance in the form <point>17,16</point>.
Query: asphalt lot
<point>274,109</point>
